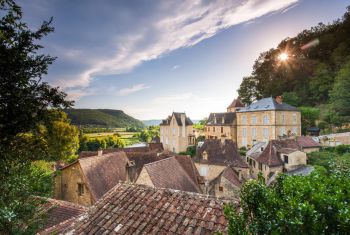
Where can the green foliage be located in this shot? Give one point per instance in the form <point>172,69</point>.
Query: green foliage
<point>201,124</point>
<point>313,204</point>
<point>102,118</point>
<point>148,133</point>
<point>309,115</point>
<point>191,151</point>
<point>26,114</point>
<point>42,172</point>
<point>93,144</point>
<point>291,98</point>
<point>312,76</point>
<point>332,158</point>
<point>243,151</point>
<point>340,95</point>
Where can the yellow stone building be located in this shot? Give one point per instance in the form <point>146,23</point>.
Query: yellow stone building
<point>176,133</point>
<point>264,120</point>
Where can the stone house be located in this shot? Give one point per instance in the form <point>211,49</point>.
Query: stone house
<point>219,160</point>
<point>94,173</point>
<point>177,172</point>
<point>277,156</point>
<point>266,119</point>
<point>176,133</point>
<point>223,125</point>
<point>87,179</point>
<point>307,144</point>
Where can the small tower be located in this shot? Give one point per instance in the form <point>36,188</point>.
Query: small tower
<point>236,104</point>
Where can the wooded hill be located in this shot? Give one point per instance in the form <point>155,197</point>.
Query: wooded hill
<point>316,74</point>
<point>102,118</point>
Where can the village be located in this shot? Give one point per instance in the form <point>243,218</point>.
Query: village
<point>156,174</point>
<point>174,117</point>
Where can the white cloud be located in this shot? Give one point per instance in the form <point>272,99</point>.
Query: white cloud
<point>175,67</point>
<point>180,24</point>
<point>133,89</point>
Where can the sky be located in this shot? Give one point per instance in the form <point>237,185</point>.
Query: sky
<point>150,58</point>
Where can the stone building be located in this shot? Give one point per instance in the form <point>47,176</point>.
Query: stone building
<point>177,172</point>
<point>223,125</point>
<point>221,166</point>
<point>266,119</point>
<point>176,133</point>
<point>277,156</point>
<point>94,173</point>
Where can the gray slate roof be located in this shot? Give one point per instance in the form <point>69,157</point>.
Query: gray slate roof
<point>228,119</point>
<point>166,122</point>
<point>267,104</point>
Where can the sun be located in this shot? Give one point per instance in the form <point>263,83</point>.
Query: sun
<point>283,56</point>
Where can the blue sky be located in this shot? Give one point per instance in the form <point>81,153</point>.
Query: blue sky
<point>150,58</point>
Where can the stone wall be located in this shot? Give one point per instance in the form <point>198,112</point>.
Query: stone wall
<point>66,186</point>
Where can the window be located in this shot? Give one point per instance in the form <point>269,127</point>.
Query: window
<point>266,133</point>
<point>260,166</point>
<point>294,118</point>
<point>205,155</point>
<point>244,132</point>
<point>254,132</point>
<point>254,164</point>
<point>254,120</point>
<point>203,171</point>
<point>80,189</point>
<point>221,189</point>
<point>266,120</point>
<point>282,131</point>
<point>222,129</point>
<point>283,118</point>
<point>174,131</point>
<point>285,157</point>
<point>166,140</point>
<point>294,131</point>
<point>244,120</point>
<point>213,128</point>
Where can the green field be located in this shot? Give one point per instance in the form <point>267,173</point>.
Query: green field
<point>126,136</point>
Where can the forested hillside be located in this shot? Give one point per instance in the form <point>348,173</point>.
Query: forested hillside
<point>316,72</point>
<point>102,118</point>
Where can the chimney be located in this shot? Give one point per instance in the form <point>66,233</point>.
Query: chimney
<point>99,152</point>
<point>279,99</point>
<point>129,167</point>
<point>223,119</point>
<point>214,118</point>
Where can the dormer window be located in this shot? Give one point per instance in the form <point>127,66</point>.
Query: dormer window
<point>205,155</point>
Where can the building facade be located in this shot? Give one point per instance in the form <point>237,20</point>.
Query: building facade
<point>176,133</point>
<point>223,125</point>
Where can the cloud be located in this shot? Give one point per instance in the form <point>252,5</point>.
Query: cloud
<point>175,25</point>
<point>175,67</point>
<point>133,89</point>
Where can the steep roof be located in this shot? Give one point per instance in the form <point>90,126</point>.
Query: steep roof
<point>307,142</point>
<point>256,148</point>
<point>231,175</point>
<point>267,104</point>
<point>102,173</point>
<point>220,153</point>
<point>139,209</point>
<point>58,212</point>
<point>229,119</point>
<point>270,156</point>
<point>176,172</point>
<point>236,103</point>
<point>177,116</point>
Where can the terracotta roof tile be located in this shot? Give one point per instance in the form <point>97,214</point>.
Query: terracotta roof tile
<point>232,176</point>
<point>207,221</point>
<point>307,142</point>
<point>220,153</point>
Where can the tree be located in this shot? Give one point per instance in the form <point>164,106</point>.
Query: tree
<point>313,204</point>
<point>340,95</point>
<point>291,98</point>
<point>25,102</point>
<point>309,115</point>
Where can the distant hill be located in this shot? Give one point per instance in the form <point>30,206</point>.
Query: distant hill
<point>102,118</point>
<point>153,122</point>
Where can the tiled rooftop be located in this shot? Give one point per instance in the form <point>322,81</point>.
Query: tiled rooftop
<point>137,209</point>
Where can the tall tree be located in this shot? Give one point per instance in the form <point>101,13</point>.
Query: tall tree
<point>25,102</point>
